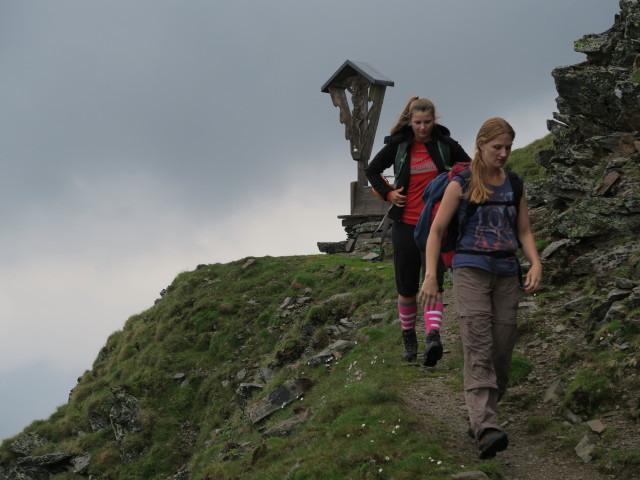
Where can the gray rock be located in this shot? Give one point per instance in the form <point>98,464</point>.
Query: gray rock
<point>247,390</point>
<point>333,247</point>
<point>248,263</point>
<point>265,374</point>
<point>372,257</point>
<point>529,306</point>
<point>581,304</point>
<point>124,410</point>
<point>573,418</point>
<point>553,393</point>
<point>554,247</point>
<point>286,427</point>
<point>81,464</point>
<point>26,443</point>
<point>601,262</point>
<point>596,426</point>
<point>609,180</point>
<point>559,328</point>
<point>337,296</point>
<point>584,449</point>
<point>329,353</point>
<point>279,398</point>
<point>286,302</point>
<point>625,283</point>
<point>98,421</point>
<point>49,461</point>
<point>617,294</point>
<point>617,311</point>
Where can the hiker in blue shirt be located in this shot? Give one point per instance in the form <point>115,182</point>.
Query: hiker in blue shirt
<point>419,149</point>
<point>486,278</point>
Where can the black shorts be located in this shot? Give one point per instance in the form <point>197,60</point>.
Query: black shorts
<point>409,261</point>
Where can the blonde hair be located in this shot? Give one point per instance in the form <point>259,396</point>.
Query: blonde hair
<point>415,104</point>
<point>479,191</point>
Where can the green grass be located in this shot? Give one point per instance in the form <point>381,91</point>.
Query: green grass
<point>522,160</point>
<point>220,319</point>
<point>520,368</point>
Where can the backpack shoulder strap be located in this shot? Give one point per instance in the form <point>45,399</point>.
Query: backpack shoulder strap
<point>517,184</point>
<point>445,154</point>
<point>401,156</point>
<point>465,175</point>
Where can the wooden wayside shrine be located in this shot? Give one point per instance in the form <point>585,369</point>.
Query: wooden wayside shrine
<point>360,117</point>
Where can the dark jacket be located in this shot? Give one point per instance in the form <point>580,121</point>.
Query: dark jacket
<point>451,150</point>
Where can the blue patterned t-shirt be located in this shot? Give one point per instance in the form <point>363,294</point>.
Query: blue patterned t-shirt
<point>490,229</point>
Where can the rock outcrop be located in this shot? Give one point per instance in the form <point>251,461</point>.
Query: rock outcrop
<point>590,204</point>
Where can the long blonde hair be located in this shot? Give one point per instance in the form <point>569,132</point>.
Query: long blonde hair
<point>479,191</point>
<point>415,104</point>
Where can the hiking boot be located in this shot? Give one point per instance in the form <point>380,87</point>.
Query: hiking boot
<point>432,348</point>
<point>491,442</point>
<point>409,346</point>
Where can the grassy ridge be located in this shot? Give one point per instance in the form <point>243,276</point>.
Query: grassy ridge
<point>219,320</point>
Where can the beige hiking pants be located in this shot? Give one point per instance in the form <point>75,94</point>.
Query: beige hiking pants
<point>487,306</point>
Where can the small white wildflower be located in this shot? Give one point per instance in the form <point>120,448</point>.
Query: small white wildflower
<point>364,425</point>
<point>386,458</point>
<point>379,470</point>
<point>439,462</point>
<point>372,441</point>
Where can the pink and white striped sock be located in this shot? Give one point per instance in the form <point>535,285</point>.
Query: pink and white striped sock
<point>407,313</point>
<point>433,318</point>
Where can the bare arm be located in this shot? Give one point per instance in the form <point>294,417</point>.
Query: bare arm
<point>448,208</point>
<point>534,275</point>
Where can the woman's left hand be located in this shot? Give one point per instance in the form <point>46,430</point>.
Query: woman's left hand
<point>429,292</point>
<point>533,279</point>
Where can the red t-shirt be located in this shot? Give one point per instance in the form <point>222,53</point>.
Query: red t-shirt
<point>423,170</point>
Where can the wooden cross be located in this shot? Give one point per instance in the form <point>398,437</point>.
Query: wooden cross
<point>360,118</point>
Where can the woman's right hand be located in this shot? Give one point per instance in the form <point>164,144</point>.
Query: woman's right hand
<point>429,292</point>
<point>397,198</point>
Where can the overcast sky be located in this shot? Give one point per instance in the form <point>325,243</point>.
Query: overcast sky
<point>140,138</point>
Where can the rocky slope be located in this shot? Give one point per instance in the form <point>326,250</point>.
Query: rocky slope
<point>590,205</point>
